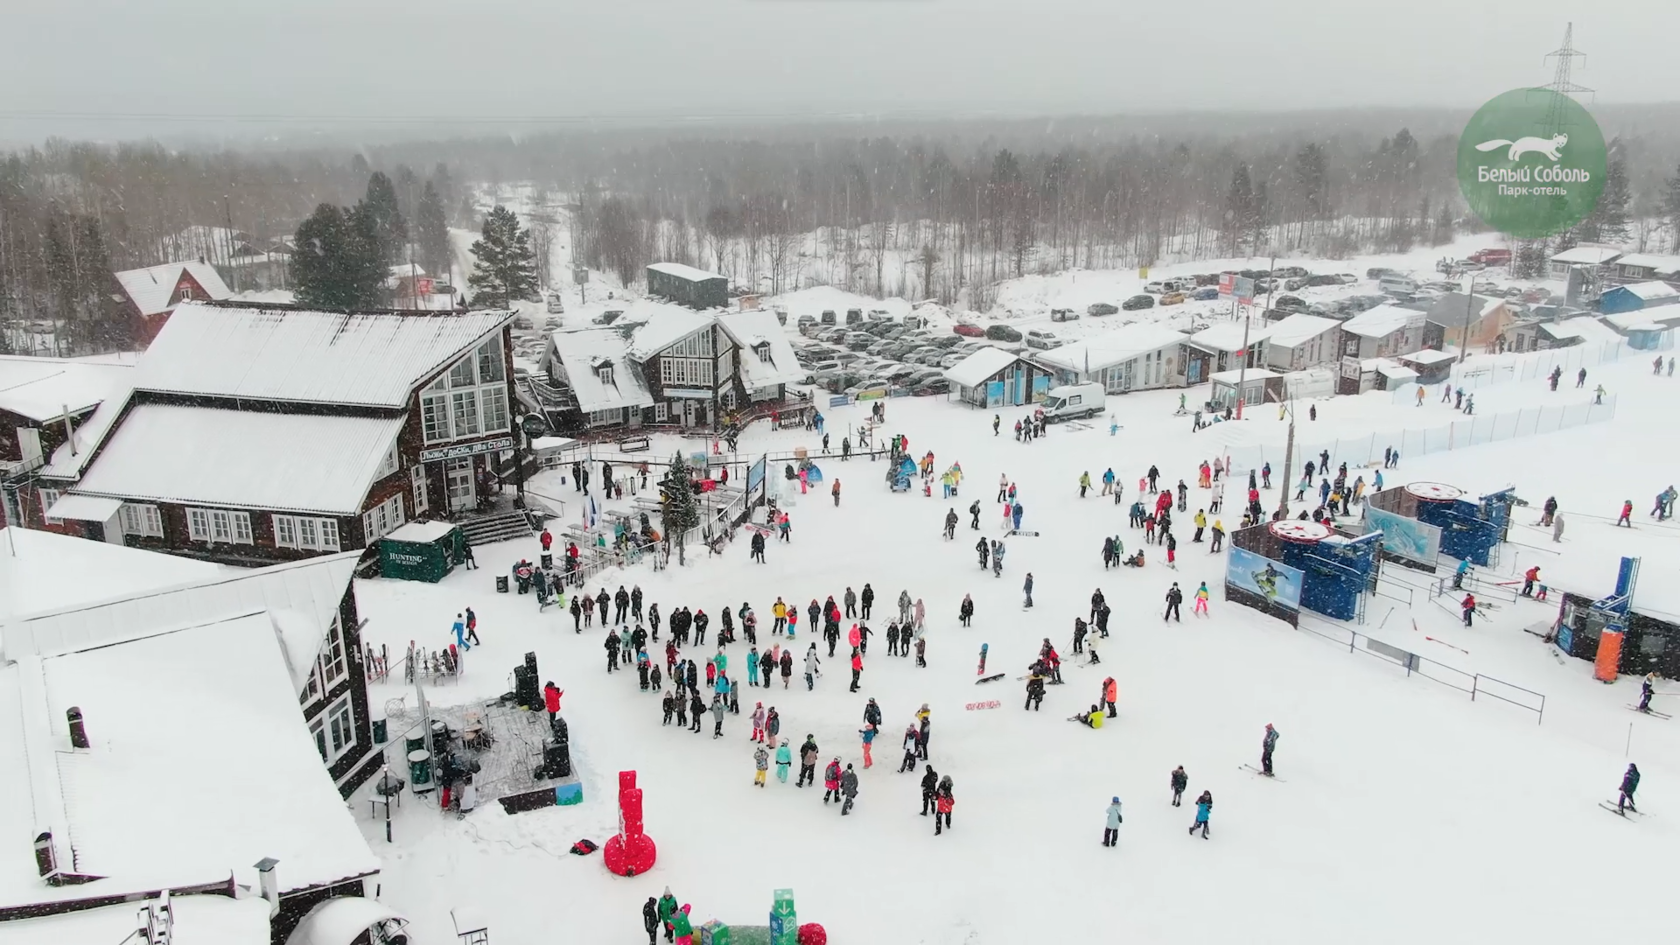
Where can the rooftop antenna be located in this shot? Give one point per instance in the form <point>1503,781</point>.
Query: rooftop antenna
<point>1562,83</point>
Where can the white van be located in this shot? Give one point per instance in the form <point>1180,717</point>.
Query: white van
<point>1074,400</point>
<point>1398,285</point>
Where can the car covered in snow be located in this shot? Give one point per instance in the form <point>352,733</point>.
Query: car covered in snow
<point>1101,308</point>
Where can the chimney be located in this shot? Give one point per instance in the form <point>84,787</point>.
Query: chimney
<point>46,863</point>
<point>78,731</point>
<point>270,884</point>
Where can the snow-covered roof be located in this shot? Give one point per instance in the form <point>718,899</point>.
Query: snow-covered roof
<point>1299,328</point>
<point>1452,309</point>
<point>682,271</point>
<point>1393,370</point>
<point>1587,254</point>
<point>422,533</point>
<point>42,388</point>
<point>45,571</point>
<point>1428,356</point>
<point>581,354</point>
<point>305,356</point>
<point>751,329</point>
<point>1228,336</point>
<point>1585,327</point>
<point>242,459</point>
<point>151,288</point>
<point>197,920</point>
<point>979,366</point>
<point>1661,317</point>
<point>200,765</point>
<point>1654,261</point>
<point>310,589</point>
<point>1246,376</point>
<point>1659,292</point>
<point>663,325</point>
<point>1382,320</point>
<point>1111,347</point>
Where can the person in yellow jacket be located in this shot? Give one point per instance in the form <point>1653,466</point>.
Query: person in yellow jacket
<point>1201,523</point>
<point>1084,483</point>
<point>780,613</point>
<point>1092,719</point>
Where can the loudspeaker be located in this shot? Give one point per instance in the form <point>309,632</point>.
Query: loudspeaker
<point>562,736</point>
<point>525,690</point>
<point>531,662</point>
<point>557,760</point>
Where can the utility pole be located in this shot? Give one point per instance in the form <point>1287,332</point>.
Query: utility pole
<point>1469,315</point>
<point>1288,459</point>
<point>1242,370</point>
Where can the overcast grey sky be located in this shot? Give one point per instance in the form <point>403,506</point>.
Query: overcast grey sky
<point>105,66</point>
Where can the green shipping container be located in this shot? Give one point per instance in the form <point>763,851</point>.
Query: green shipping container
<point>422,551</point>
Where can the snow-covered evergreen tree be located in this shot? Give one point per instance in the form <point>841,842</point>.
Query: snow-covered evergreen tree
<point>506,268</point>
<point>336,263</point>
<point>678,511</point>
<point>432,232</point>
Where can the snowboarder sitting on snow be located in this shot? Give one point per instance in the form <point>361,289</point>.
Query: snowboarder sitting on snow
<point>1135,561</point>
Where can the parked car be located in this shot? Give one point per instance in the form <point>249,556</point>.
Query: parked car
<point>1138,301</point>
<point>1101,308</point>
<point>556,304</point>
<point>854,316</point>
<point>834,336</point>
<point>1294,285</point>
<point>1322,280</point>
<point>1206,293</point>
<point>1045,340</point>
<point>1346,278</point>
<point>1486,287</point>
<point>945,341</point>
<point>1207,278</point>
<point>1380,272</point>
<point>1171,298</point>
<point>1289,303</point>
<point>1155,288</point>
<point>967,330</point>
<point>951,359</point>
<point>828,318</point>
<point>1289,272</point>
<point>806,323</point>
<point>930,387</point>
<point>608,317</point>
<point>859,340</point>
<point>1002,333</point>
<point>1396,284</point>
<point>1063,314</point>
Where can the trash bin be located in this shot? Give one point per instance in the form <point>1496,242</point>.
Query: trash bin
<point>420,768</point>
<point>379,731</point>
<point>547,560</point>
<point>501,584</point>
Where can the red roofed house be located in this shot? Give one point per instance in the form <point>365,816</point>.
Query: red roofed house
<point>148,295</point>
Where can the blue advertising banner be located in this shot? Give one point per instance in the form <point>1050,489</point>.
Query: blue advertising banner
<point>755,475</point>
<point>1277,583</point>
<point>1405,537</point>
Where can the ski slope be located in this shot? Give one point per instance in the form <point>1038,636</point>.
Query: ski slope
<point>1406,812</point>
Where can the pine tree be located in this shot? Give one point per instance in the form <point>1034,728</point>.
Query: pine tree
<point>337,262</point>
<point>1529,261</point>
<point>432,232</point>
<point>385,212</point>
<point>506,268</point>
<point>1311,177</point>
<point>1240,215</point>
<point>677,510</point>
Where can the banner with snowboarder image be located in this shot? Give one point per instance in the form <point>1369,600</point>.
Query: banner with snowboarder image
<point>1276,584</point>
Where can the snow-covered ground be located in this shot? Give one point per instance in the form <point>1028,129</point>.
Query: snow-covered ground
<point>1407,812</point>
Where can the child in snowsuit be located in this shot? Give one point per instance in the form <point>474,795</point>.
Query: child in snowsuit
<point>784,758</point>
<point>761,759</point>
<point>1201,601</point>
<point>1204,807</point>
<point>1111,830</point>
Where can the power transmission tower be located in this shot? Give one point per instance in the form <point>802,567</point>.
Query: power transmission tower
<point>1562,86</point>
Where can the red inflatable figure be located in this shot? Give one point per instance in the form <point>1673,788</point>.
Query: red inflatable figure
<point>630,852</point>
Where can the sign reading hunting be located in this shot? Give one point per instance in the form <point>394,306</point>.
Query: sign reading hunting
<point>1531,163</point>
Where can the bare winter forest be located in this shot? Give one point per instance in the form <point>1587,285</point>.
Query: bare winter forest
<point>925,210</point>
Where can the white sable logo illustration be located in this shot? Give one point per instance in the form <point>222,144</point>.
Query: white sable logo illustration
<point>1547,146</point>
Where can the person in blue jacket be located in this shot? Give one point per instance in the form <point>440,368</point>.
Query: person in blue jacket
<point>460,629</point>
<point>1459,573</point>
<point>1204,807</point>
<point>1111,832</point>
<point>752,666</point>
<point>784,757</point>
<point>1016,516</point>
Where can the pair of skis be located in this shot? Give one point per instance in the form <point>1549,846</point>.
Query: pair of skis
<point>1251,768</point>
<point>1622,812</point>
<point>1654,712</point>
